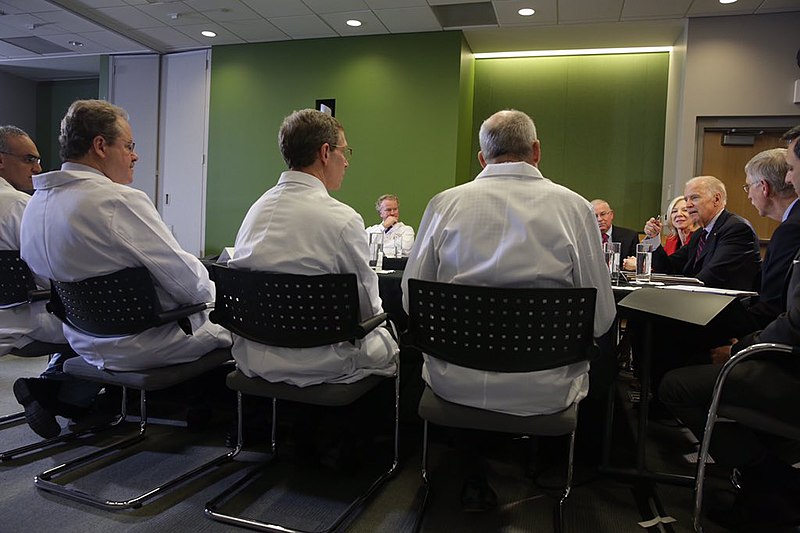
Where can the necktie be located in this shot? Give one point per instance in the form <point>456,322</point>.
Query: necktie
<point>605,238</point>
<point>700,245</point>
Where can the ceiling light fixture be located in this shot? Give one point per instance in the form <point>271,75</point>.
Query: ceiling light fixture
<point>208,33</point>
<point>77,44</point>
<point>582,52</point>
<point>526,12</point>
<point>353,23</point>
<point>727,1</point>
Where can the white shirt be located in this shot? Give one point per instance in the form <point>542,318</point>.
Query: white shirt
<point>297,228</point>
<point>23,324</point>
<point>80,224</point>
<point>511,227</point>
<point>398,238</point>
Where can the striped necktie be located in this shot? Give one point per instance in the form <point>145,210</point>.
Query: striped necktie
<point>605,237</point>
<point>700,245</point>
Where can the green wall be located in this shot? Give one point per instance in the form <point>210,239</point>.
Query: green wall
<point>399,98</point>
<point>600,120</point>
<point>53,98</point>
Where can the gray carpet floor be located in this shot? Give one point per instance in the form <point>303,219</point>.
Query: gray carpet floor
<point>305,496</point>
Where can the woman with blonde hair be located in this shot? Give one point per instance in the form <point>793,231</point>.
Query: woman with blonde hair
<point>680,225</point>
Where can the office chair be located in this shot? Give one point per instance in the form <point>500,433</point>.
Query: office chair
<point>17,288</point>
<point>499,330</point>
<point>117,304</point>
<point>753,418</point>
<point>298,312</point>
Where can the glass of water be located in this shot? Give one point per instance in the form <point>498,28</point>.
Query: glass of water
<point>644,262</point>
<point>612,251</point>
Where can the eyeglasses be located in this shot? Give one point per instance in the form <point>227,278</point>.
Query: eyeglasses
<point>28,158</point>
<point>129,146</point>
<point>603,214</point>
<point>747,186</point>
<point>346,151</point>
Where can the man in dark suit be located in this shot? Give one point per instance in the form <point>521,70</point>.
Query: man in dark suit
<point>723,252</point>
<point>627,238</point>
<point>768,487</point>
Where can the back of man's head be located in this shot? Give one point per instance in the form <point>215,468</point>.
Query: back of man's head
<point>303,133</point>
<point>507,136</point>
<point>771,166</point>
<point>790,136</point>
<point>85,120</point>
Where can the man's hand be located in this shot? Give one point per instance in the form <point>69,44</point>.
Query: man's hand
<point>390,221</point>
<point>652,228</point>
<point>721,354</point>
<point>629,263</point>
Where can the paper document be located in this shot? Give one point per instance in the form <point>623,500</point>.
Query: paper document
<point>710,290</point>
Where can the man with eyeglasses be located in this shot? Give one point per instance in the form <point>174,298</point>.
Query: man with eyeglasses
<point>85,222</point>
<point>398,238</point>
<point>627,238</point>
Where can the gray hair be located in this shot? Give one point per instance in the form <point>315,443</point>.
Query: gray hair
<point>85,120</point>
<point>7,132</point>
<point>771,166</point>
<point>385,197</point>
<point>711,185</point>
<point>303,133</point>
<point>791,135</point>
<point>509,134</point>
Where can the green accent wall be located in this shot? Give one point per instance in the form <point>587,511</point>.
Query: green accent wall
<point>399,97</point>
<point>600,120</point>
<point>53,98</point>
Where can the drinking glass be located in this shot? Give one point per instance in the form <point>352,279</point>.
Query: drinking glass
<point>644,262</point>
<point>612,251</point>
<point>376,250</point>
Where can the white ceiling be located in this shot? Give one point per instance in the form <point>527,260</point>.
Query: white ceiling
<point>142,26</point>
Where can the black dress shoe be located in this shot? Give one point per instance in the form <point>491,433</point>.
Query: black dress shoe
<point>42,421</point>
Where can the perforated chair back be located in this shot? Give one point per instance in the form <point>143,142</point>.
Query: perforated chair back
<point>16,279</point>
<point>501,329</point>
<point>287,310</point>
<point>121,303</point>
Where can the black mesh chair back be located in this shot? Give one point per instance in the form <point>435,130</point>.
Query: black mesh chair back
<point>286,309</point>
<point>121,303</point>
<point>16,280</point>
<point>501,329</point>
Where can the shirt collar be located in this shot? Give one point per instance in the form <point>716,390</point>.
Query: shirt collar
<point>788,210</point>
<point>713,221</point>
<point>512,170</point>
<point>295,176</point>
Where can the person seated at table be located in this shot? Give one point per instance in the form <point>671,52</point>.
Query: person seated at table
<point>680,228</point>
<point>627,238</point>
<point>398,238</point>
<point>84,221</point>
<point>767,487</point>
<point>722,253</point>
<point>466,237</point>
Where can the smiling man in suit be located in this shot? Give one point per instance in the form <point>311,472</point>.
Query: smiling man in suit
<point>723,253</point>
<point>627,238</point>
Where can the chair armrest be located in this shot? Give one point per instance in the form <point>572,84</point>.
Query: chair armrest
<point>369,324</point>
<point>174,315</point>
<point>39,295</point>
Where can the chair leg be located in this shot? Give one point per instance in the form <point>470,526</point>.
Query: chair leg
<point>558,522</point>
<point>425,489</point>
<point>45,480</point>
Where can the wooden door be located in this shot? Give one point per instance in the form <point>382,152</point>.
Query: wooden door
<point>727,163</point>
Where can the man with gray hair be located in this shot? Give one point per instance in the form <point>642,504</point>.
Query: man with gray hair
<point>84,221</point>
<point>512,227</point>
<point>723,253</point>
<point>398,238</point>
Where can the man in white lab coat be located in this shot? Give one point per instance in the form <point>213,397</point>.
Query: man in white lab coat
<point>84,221</point>
<point>398,238</point>
<point>511,227</point>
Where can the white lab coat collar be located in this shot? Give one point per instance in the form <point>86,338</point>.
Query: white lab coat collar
<point>303,178</point>
<point>512,170</point>
<point>69,172</point>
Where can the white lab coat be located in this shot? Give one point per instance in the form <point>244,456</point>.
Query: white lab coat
<point>399,236</point>
<point>79,224</point>
<point>21,325</point>
<point>297,228</point>
<point>511,227</point>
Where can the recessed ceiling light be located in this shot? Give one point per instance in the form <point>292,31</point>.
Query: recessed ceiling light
<point>526,11</point>
<point>727,1</point>
<point>354,23</point>
<point>208,33</point>
<point>77,44</point>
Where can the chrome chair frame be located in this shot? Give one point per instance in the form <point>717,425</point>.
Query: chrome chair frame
<point>227,313</point>
<point>94,306</point>
<point>713,416</point>
<point>503,328</point>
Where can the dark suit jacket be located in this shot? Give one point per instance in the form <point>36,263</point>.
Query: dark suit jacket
<point>628,240</point>
<point>783,246</point>
<point>730,258</point>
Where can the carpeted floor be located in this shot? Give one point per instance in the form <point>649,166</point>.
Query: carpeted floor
<point>305,496</point>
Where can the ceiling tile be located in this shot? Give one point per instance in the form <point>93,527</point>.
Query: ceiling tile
<point>777,6</point>
<point>390,4</point>
<point>370,25</point>
<point>89,46</point>
<point>174,17</point>
<point>9,50</point>
<point>702,8</point>
<point>278,8</point>
<point>335,6</point>
<point>255,30</point>
<point>130,17</point>
<point>570,11</point>
<point>100,3</point>
<point>69,22</point>
<point>25,6</point>
<point>229,11</point>
<point>451,2</point>
<point>170,39</point>
<point>224,36</point>
<point>648,9</point>
<point>409,20</point>
<point>303,27</point>
<point>546,12</point>
<point>115,42</point>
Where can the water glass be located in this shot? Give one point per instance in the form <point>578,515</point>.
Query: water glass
<point>376,250</point>
<point>397,240</point>
<point>612,252</point>
<point>644,262</point>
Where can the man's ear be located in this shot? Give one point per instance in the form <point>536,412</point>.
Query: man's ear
<point>99,146</point>
<point>537,152</point>
<point>481,160</point>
